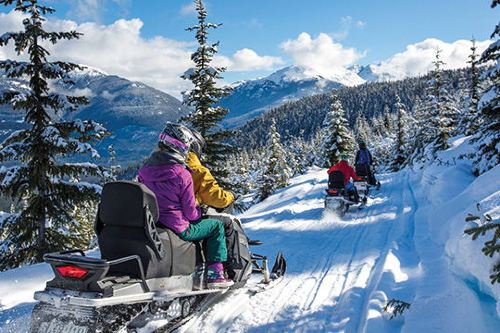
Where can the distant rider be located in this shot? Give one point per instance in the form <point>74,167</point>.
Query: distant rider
<point>364,162</point>
<point>348,172</point>
<point>166,174</point>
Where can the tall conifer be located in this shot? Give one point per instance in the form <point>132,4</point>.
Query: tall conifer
<point>43,182</point>
<point>277,171</point>
<point>337,137</point>
<point>205,96</point>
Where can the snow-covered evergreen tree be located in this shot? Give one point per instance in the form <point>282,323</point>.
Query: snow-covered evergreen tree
<point>387,118</point>
<point>277,171</point>
<point>337,136</point>
<point>489,105</point>
<point>422,131</point>
<point>443,111</point>
<point>400,139</point>
<point>46,186</point>
<point>379,126</point>
<point>471,118</point>
<point>205,96</point>
<point>362,129</point>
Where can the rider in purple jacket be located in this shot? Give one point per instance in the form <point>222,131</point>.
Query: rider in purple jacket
<point>173,186</point>
<point>166,174</point>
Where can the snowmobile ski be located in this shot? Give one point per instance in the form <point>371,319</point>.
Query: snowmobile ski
<point>272,278</point>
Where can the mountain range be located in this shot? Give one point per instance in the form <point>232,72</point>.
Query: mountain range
<point>251,98</point>
<point>132,111</point>
<point>135,112</point>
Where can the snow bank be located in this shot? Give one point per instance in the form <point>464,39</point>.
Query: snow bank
<point>465,255</point>
<point>455,293</point>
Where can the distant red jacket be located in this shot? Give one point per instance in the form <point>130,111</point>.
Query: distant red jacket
<point>346,170</point>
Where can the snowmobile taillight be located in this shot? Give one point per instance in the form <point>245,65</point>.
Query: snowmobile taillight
<point>71,271</point>
<point>332,191</point>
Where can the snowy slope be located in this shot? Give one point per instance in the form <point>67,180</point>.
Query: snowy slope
<point>407,244</point>
<point>132,111</point>
<point>251,98</point>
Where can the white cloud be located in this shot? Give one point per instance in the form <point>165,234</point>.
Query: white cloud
<point>360,24</point>
<point>248,60</point>
<point>117,49</point>
<point>120,49</point>
<point>188,9</point>
<point>321,55</point>
<point>417,58</point>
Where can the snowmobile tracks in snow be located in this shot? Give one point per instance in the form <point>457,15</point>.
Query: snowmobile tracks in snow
<point>336,266</point>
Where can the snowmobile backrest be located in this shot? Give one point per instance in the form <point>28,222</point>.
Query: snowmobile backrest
<point>126,225</point>
<point>336,180</point>
<point>126,204</point>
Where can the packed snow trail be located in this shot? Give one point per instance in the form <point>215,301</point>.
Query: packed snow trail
<point>342,271</point>
<point>334,264</point>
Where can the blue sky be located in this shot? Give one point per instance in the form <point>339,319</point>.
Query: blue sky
<point>352,32</point>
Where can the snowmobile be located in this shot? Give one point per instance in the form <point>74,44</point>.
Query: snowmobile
<point>146,273</point>
<point>369,180</point>
<point>338,199</point>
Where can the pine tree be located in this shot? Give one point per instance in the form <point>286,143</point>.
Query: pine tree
<point>43,182</point>
<point>399,142</point>
<point>489,105</point>
<point>205,96</point>
<point>277,172</point>
<point>388,121</point>
<point>338,139</point>
<point>443,111</point>
<point>473,121</point>
<point>362,129</point>
<point>423,133</point>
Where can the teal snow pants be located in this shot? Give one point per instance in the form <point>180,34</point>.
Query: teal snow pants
<point>213,231</point>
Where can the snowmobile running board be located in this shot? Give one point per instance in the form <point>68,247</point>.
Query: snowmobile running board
<point>57,298</point>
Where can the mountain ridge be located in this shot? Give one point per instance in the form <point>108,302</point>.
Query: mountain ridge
<point>134,112</point>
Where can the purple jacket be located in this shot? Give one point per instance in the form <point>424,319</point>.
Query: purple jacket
<point>173,186</point>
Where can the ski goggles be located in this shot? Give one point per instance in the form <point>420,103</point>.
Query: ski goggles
<point>165,138</point>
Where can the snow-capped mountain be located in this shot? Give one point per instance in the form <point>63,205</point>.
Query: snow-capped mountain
<point>132,111</point>
<point>251,98</point>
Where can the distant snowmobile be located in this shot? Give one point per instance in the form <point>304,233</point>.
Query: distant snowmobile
<point>146,272</point>
<point>338,199</point>
<point>364,171</point>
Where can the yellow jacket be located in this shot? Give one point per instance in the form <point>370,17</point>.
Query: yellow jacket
<point>206,189</point>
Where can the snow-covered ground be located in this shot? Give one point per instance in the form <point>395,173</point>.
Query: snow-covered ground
<point>407,244</point>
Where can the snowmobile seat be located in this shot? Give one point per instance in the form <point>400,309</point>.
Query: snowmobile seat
<point>336,180</point>
<point>126,225</point>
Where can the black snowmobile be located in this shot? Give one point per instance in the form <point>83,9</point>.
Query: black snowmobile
<point>146,273</point>
<point>338,199</point>
<point>363,171</point>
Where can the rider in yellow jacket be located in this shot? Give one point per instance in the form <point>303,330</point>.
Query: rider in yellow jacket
<point>208,192</point>
<point>206,189</point>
